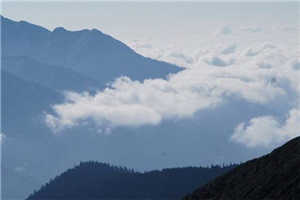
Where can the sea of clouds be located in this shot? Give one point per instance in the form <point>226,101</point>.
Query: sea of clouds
<point>264,72</point>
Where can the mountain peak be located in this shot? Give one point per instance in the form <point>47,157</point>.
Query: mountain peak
<point>88,51</point>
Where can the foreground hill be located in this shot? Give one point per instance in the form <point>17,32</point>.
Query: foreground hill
<point>275,176</point>
<point>92,180</point>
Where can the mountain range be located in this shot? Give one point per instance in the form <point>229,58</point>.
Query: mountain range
<point>89,52</point>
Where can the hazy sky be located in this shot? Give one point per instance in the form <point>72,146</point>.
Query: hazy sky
<point>163,23</point>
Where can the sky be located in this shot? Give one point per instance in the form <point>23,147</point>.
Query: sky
<point>166,23</point>
<point>233,55</point>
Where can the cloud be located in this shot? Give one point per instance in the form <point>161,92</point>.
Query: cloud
<point>260,131</point>
<point>266,131</point>
<point>253,51</point>
<point>134,103</point>
<point>218,61</point>
<point>229,49</point>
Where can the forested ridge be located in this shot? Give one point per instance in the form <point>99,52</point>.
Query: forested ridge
<point>91,180</point>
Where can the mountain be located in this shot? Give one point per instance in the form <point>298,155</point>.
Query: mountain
<point>36,66</point>
<point>92,180</point>
<point>11,176</point>
<point>25,135</point>
<point>23,104</point>
<point>275,176</point>
<point>89,52</point>
<point>54,77</point>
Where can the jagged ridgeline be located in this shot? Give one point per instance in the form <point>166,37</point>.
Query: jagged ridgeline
<point>94,180</point>
<point>275,176</point>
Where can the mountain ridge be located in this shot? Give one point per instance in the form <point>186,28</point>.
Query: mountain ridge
<point>90,52</point>
<point>101,180</point>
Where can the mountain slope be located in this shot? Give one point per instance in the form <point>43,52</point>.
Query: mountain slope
<point>54,77</point>
<point>275,176</point>
<point>92,180</point>
<point>23,104</point>
<point>89,52</point>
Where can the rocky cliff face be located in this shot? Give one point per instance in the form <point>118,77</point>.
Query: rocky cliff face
<point>275,176</point>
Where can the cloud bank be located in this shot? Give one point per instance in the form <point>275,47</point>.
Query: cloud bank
<point>267,130</point>
<point>263,73</point>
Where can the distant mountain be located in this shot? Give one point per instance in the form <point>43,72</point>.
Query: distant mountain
<point>23,104</point>
<point>54,77</point>
<point>37,65</point>
<point>25,135</point>
<point>90,52</point>
<point>12,178</point>
<point>275,176</point>
<point>93,180</point>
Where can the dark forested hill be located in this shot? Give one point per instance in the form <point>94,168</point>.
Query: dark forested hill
<point>91,180</point>
<point>275,176</point>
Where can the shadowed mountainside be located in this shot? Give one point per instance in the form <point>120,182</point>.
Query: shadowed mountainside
<point>275,176</point>
<point>92,180</point>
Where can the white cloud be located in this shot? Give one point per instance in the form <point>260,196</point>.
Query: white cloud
<point>266,131</point>
<point>253,51</point>
<point>219,61</point>
<point>229,49</point>
<point>133,103</point>
<point>262,71</point>
<point>261,131</point>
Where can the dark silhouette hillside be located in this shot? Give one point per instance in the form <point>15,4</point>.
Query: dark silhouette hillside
<point>275,176</point>
<point>92,180</point>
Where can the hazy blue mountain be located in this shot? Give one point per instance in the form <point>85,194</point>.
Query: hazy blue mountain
<point>10,176</point>
<point>89,52</point>
<point>26,138</point>
<point>53,77</point>
<point>37,65</point>
<point>93,180</point>
<point>23,104</point>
